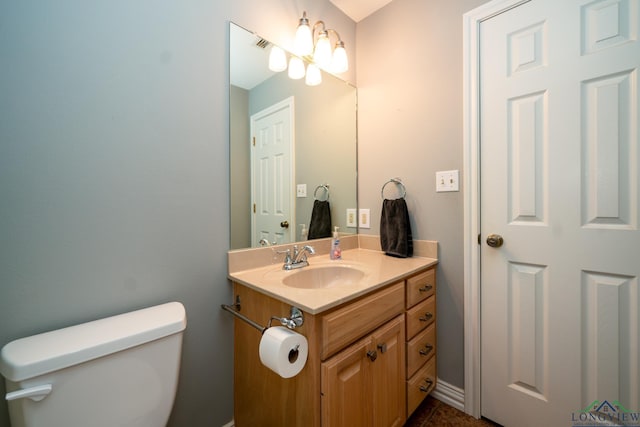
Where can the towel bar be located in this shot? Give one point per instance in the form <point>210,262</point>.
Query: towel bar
<point>295,318</point>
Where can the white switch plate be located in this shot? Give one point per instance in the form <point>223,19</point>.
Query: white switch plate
<point>364,218</point>
<point>352,218</point>
<point>301,190</point>
<point>447,181</point>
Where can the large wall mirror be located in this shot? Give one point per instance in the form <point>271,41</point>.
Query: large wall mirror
<point>292,147</point>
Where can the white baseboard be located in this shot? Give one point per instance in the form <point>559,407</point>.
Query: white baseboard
<point>229,424</point>
<point>449,394</point>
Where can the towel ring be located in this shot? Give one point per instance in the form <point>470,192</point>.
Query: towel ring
<point>395,181</point>
<point>325,187</point>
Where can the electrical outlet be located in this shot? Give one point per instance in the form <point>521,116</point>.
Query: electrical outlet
<point>364,218</point>
<point>447,181</point>
<point>301,190</point>
<point>352,218</point>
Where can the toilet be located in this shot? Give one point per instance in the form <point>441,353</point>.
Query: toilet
<point>117,371</point>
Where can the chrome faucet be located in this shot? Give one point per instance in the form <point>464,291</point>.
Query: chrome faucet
<point>299,258</point>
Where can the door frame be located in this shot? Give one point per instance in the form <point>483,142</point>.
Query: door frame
<point>471,194</point>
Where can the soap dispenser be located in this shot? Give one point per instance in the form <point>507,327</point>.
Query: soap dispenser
<point>335,252</point>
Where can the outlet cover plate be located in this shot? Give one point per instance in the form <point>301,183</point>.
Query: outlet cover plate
<point>364,218</point>
<point>352,218</point>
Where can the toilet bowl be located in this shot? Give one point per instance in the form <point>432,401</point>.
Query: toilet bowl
<point>118,371</point>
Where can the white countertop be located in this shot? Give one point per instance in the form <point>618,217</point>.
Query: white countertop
<point>379,270</point>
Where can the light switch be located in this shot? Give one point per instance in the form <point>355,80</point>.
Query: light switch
<point>301,190</point>
<point>447,181</point>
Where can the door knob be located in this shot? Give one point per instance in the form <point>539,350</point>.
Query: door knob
<point>495,240</point>
<point>284,224</point>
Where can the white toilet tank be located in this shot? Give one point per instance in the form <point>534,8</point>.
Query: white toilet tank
<point>118,371</point>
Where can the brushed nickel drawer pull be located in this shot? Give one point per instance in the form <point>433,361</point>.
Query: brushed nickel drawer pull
<point>382,348</point>
<point>372,354</point>
<point>426,350</point>
<point>427,316</point>
<point>426,288</point>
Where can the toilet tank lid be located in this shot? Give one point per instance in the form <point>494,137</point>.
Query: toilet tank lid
<point>50,351</point>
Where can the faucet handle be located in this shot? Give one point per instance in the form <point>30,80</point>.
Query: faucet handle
<point>287,255</point>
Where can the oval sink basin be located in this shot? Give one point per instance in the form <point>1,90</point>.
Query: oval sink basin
<point>323,277</point>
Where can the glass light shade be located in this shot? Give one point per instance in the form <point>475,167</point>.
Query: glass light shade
<point>296,68</point>
<point>340,62</point>
<point>303,41</point>
<point>322,54</point>
<point>314,77</point>
<point>277,59</point>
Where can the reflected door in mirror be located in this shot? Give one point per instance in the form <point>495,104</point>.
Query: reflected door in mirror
<point>271,168</point>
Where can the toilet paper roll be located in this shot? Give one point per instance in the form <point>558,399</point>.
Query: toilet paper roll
<point>283,351</point>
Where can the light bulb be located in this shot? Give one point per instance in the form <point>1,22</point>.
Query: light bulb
<point>322,54</point>
<point>314,77</point>
<point>339,62</point>
<point>303,41</point>
<point>296,68</point>
<point>277,59</point>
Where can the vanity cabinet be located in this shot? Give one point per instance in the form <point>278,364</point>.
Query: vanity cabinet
<point>371,360</point>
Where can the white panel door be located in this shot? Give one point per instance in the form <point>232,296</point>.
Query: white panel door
<point>272,174</point>
<point>559,183</point>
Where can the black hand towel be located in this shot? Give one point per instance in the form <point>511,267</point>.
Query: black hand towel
<point>395,229</point>
<point>320,225</point>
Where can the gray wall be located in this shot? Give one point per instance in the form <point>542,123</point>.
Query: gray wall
<point>114,174</point>
<point>410,126</point>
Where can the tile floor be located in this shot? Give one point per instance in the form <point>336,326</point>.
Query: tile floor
<point>432,413</point>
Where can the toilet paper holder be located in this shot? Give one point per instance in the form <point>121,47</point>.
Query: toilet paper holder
<point>295,319</point>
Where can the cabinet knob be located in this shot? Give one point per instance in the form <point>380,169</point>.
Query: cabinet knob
<point>427,316</point>
<point>372,354</point>
<point>426,350</point>
<point>425,288</point>
<point>382,348</point>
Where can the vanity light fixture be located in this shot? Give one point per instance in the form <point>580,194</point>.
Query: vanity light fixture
<point>277,59</point>
<point>296,68</point>
<point>313,77</point>
<point>315,42</point>
<point>314,45</point>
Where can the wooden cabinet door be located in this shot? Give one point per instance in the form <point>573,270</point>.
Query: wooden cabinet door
<point>346,387</point>
<point>388,373</point>
<point>364,385</point>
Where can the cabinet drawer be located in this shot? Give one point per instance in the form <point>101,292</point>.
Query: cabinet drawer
<point>345,325</point>
<point>421,316</point>
<point>420,385</point>
<point>420,349</point>
<point>421,286</point>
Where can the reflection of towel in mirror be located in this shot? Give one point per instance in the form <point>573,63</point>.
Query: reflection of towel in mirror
<point>395,229</point>
<point>320,225</point>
